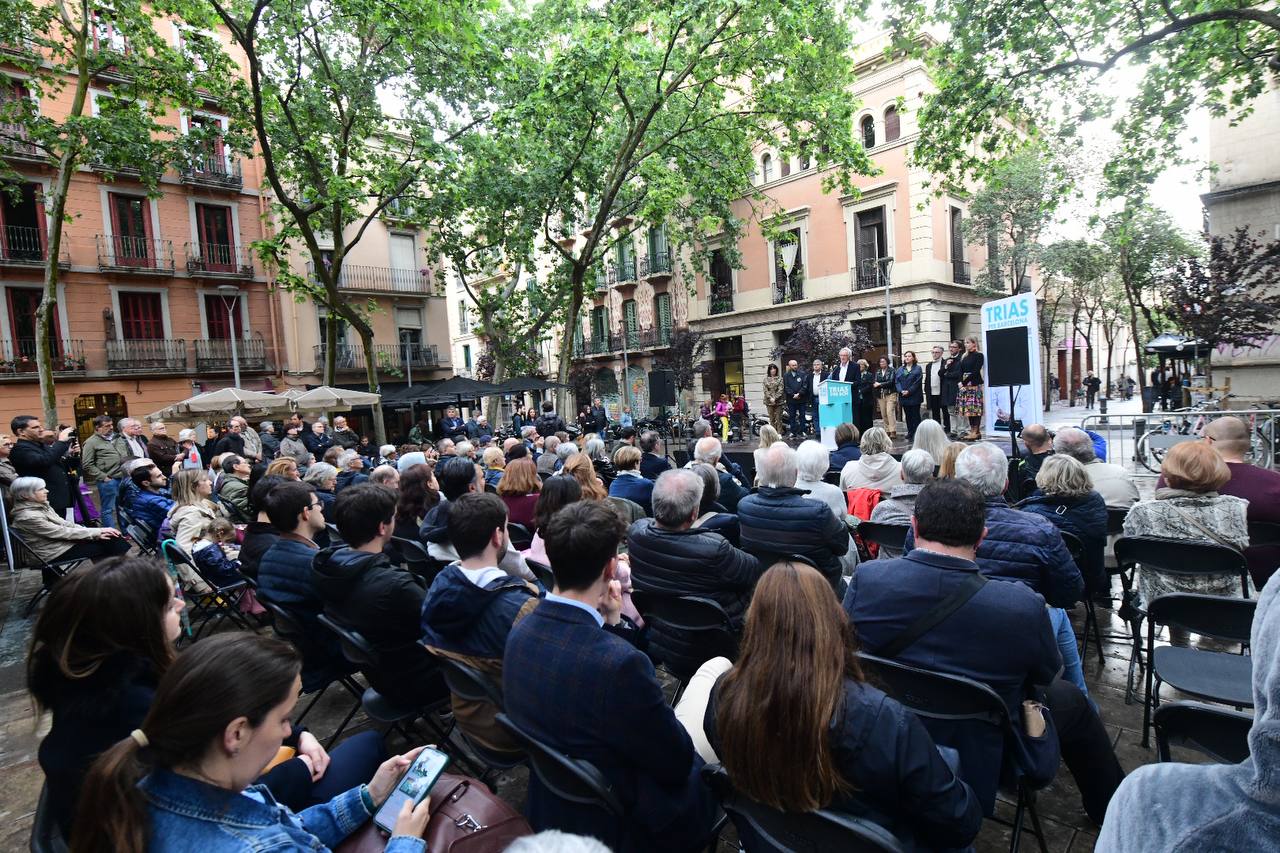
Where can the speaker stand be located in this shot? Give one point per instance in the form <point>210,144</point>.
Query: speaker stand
<point>1013,419</point>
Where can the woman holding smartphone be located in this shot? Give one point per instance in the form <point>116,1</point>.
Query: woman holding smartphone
<point>184,779</point>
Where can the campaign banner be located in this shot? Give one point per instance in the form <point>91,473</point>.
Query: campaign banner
<point>1011,344</point>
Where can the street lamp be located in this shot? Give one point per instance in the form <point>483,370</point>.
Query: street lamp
<point>883,267</point>
<point>230,298</point>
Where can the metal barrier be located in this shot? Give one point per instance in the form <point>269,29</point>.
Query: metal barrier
<point>1139,440</point>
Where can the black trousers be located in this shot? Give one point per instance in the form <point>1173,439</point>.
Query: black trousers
<point>938,411</point>
<point>796,410</point>
<point>1089,398</point>
<point>1086,747</point>
<point>96,549</point>
<point>912,415</point>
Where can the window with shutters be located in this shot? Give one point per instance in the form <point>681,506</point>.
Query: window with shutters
<point>131,233</point>
<point>632,323</point>
<point>141,316</point>
<point>466,357</point>
<point>868,132</point>
<point>24,303</point>
<point>872,248</point>
<point>766,169</point>
<point>662,311</point>
<point>784,166</point>
<point>22,223</point>
<point>892,124</point>
<point>217,246</point>
<point>720,283</point>
<point>221,315</point>
<point>599,324</point>
<point>464,317</point>
<point>959,266</point>
<point>788,287</point>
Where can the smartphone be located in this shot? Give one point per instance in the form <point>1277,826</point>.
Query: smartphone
<point>413,786</point>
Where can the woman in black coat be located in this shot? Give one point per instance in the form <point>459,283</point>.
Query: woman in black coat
<point>971,383</point>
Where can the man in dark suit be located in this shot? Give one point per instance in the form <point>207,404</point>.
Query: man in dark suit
<point>998,633</point>
<point>652,463</point>
<point>597,417</point>
<point>574,685</point>
<point>31,457</point>
<point>795,386</point>
<point>847,370</point>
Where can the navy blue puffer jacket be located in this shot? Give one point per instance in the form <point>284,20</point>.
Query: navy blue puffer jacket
<point>1086,517</point>
<point>779,522</point>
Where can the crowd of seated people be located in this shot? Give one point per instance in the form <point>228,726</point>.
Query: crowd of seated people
<point>798,722</point>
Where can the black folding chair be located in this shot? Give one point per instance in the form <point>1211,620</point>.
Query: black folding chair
<point>543,572</point>
<point>1215,676</point>
<point>832,477</point>
<point>1078,556</point>
<point>1181,557</point>
<point>379,708</point>
<point>705,625</point>
<point>571,779</point>
<point>289,627</point>
<point>521,536</point>
<point>762,829</point>
<point>143,536</point>
<point>472,685</point>
<point>414,557</point>
<point>335,538</point>
<point>221,602</point>
<point>1115,520</point>
<point>1219,733</point>
<point>46,837</point>
<point>952,699</point>
<point>891,535</point>
<point>50,571</point>
<point>1263,533</point>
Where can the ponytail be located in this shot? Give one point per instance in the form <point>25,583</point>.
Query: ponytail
<point>112,811</point>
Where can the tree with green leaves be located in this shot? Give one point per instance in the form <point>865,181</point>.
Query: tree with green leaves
<point>1082,268</point>
<point>335,159</point>
<point>1231,294</point>
<point>126,48</point>
<point>1009,213</point>
<point>614,116</point>
<point>1007,65</point>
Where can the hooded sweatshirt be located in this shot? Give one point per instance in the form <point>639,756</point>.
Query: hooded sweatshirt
<point>434,534</point>
<point>382,602</point>
<point>878,471</point>
<point>1181,808</point>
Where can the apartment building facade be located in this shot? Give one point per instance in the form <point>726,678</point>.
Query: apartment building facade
<point>152,288</point>
<point>893,237</point>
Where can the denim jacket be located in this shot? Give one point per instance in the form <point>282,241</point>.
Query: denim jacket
<point>187,814</point>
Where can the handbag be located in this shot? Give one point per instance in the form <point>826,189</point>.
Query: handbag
<point>466,817</point>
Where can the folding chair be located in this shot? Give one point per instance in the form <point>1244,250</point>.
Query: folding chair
<point>1078,556</point>
<point>1219,733</point>
<point>379,708</point>
<point>953,699</point>
<point>414,557</point>
<point>1263,533</point>
<point>571,779</point>
<point>1215,676</point>
<point>50,572</point>
<point>704,623</point>
<point>521,536</point>
<point>472,685</point>
<point>892,535</point>
<point>545,576</point>
<point>222,601</point>
<point>289,627</point>
<point>335,538</point>
<point>1183,557</point>
<point>762,829</point>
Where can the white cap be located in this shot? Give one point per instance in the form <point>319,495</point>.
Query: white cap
<point>187,435</point>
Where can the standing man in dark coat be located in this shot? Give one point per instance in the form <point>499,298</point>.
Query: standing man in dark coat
<point>31,457</point>
<point>597,417</point>
<point>1091,386</point>
<point>847,370</point>
<point>795,386</point>
<point>933,382</point>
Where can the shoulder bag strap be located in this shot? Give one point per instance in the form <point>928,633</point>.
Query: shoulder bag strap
<point>917,629</point>
<point>1189,519</point>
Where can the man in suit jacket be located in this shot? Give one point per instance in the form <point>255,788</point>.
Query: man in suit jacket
<point>31,457</point>
<point>933,379</point>
<point>795,387</point>
<point>847,370</point>
<point>1000,635</point>
<point>576,686</point>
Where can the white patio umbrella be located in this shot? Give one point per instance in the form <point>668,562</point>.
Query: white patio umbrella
<point>223,401</point>
<point>326,398</point>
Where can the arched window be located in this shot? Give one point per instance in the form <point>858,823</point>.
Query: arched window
<point>868,132</point>
<point>766,169</point>
<point>892,125</point>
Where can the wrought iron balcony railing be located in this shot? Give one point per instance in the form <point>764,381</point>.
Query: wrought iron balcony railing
<point>960,272</point>
<point>366,279</point>
<point>870,273</point>
<point>18,358</point>
<point>388,357</point>
<point>214,356</point>
<point>149,355</point>
<point>216,260</point>
<point>214,170</point>
<point>637,340</point>
<point>792,291</point>
<point>656,264</point>
<point>721,300</point>
<point>135,254</point>
<point>21,246</point>
<point>623,272</point>
<point>16,145</point>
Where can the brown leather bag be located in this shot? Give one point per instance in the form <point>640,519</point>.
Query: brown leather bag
<point>466,817</point>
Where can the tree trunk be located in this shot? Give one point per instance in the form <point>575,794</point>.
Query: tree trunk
<point>492,404</point>
<point>371,376</point>
<point>330,349</point>
<point>566,344</point>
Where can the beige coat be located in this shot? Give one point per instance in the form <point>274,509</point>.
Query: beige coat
<point>47,533</point>
<point>187,523</point>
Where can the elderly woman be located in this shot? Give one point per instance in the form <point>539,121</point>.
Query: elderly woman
<point>594,448</point>
<point>628,483</point>
<point>494,465</point>
<point>876,468</point>
<point>917,471</point>
<point>192,511</point>
<point>285,466</point>
<point>1189,507</point>
<point>324,477</point>
<point>932,438</point>
<point>50,536</point>
<point>292,447</point>
<point>711,515</point>
<point>1065,497</point>
<point>847,436</point>
<point>812,463</point>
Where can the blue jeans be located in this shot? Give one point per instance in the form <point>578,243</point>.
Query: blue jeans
<point>1072,669</point>
<point>107,491</point>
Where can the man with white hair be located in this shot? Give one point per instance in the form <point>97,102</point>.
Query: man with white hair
<point>387,454</point>
<point>564,450</point>
<point>252,441</point>
<point>700,429</point>
<point>669,556</point>
<point>547,461</point>
<point>134,445</point>
<point>709,450</point>
<point>1018,546</point>
<point>465,449</point>
<point>1113,482</point>
<point>778,521</point>
<point>386,475</point>
<point>847,370</point>
<point>917,470</point>
<point>529,435</point>
<point>270,441</point>
<point>344,435</point>
<point>350,470</point>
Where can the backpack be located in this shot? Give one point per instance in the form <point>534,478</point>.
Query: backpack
<point>547,424</point>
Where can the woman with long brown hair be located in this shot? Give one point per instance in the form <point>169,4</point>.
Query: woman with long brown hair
<point>579,467</point>
<point>799,728</point>
<point>519,488</point>
<point>183,780</point>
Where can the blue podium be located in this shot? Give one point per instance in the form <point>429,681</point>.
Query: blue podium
<point>835,407</point>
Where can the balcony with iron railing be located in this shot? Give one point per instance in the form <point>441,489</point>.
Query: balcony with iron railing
<point>366,279</point>
<point>401,212</point>
<point>721,301</point>
<point>624,272</point>
<point>216,260</point>
<point>148,355</point>
<point>960,272</point>
<point>15,144</point>
<point>18,358</point>
<point>21,246</point>
<point>388,357</point>
<point>791,290</point>
<point>656,264</point>
<point>214,356</point>
<point>215,170</point>
<point>140,255</point>
<point>637,340</point>
<point>870,273</point>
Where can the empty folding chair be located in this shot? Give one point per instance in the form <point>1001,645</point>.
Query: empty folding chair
<point>1219,733</point>
<point>892,535</point>
<point>571,779</point>
<point>521,536</point>
<point>1076,548</point>
<point>685,631</point>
